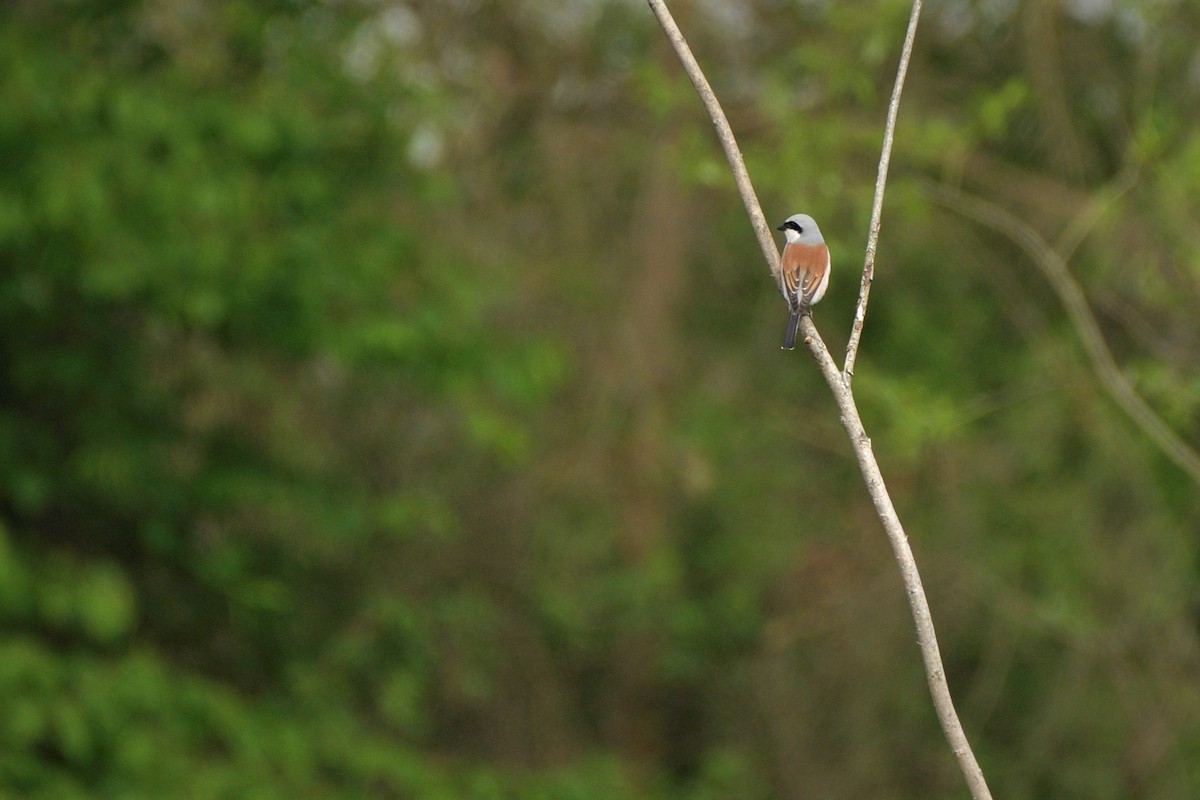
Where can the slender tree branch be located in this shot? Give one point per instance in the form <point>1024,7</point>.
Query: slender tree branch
<point>733,153</point>
<point>935,671</point>
<point>1089,216</point>
<point>1054,269</point>
<point>918,603</point>
<point>885,156</point>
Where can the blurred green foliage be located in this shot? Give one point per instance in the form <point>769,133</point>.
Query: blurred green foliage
<point>390,405</point>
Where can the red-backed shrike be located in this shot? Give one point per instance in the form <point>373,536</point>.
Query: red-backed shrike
<point>803,270</point>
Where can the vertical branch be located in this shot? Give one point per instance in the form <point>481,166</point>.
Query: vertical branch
<point>885,156</point>
<point>931,654</point>
<point>729,144</point>
<point>839,384</point>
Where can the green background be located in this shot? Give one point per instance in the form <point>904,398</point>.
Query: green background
<point>391,402</point>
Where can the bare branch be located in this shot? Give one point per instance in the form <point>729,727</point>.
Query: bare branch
<point>885,156</point>
<point>926,636</point>
<point>725,133</point>
<point>1054,269</point>
<point>935,671</point>
<point>1089,216</point>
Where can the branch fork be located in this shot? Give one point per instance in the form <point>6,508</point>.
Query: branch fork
<point>839,380</point>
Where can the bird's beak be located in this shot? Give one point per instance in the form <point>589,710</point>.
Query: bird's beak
<point>781,227</point>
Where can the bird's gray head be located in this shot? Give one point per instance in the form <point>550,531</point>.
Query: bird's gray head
<point>801,228</point>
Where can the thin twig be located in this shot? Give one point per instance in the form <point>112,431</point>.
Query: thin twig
<point>1054,270</point>
<point>1089,216</point>
<point>885,156</point>
<point>926,636</point>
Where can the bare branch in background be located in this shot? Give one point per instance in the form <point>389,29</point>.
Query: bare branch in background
<point>885,156</point>
<point>919,605</point>
<point>1053,267</point>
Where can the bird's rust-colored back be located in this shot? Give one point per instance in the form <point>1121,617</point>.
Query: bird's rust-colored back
<point>803,266</point>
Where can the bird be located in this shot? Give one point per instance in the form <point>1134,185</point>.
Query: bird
<point>803,270</point>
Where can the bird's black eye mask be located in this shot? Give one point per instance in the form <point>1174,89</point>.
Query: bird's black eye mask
<point>790,224</point>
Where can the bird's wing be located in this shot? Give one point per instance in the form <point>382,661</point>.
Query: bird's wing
<point>803,266</point>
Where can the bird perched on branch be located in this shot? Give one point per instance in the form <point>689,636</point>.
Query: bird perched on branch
<point>803,270</point>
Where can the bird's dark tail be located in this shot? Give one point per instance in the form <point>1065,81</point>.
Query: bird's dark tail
<point>789,336</point>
